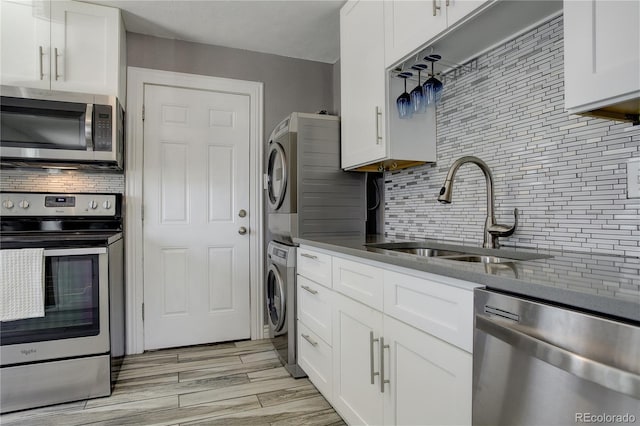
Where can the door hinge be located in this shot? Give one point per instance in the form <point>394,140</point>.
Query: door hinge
<point>142,112</point>
<point>142,213</point>
<point>143,312</point>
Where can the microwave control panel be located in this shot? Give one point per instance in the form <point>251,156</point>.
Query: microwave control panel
<point>103,128</point>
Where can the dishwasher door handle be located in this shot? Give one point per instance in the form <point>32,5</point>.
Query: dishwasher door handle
<point>587,369</point>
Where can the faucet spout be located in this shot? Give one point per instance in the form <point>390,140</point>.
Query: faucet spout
<point>491,230</point>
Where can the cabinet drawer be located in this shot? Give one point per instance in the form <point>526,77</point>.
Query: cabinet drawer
<point>358,281</point>
<point>314,266</point>
<point>314,307</point>
<point>314,356</point>
<point>439,309</point>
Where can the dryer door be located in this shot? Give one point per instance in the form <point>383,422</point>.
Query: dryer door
<point>276,175</point>
<point>276,294</point>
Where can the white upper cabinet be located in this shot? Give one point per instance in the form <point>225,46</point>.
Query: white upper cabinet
<point>373,137</point>
<point>63,45</point>
<point>362,75</point>
<point>25,35</point>
<point>410,24</point>
<point>602,57</point>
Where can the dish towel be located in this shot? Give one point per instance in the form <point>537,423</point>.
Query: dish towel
<point>21,284</point>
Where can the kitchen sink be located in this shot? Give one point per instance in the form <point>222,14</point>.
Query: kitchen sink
<point>427,252</point>
<point>456,253</point>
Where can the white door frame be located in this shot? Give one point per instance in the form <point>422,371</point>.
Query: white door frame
<point>137,78</point>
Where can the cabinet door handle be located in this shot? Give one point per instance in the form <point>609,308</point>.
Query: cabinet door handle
<point>435,7</point>
<point>308,339</point>
<point>309,289</point>
<point>446,3</point>
<point>310,256</point>
<point>41,54</point>
<point>382,379</point>
<point>55,63</point>
<point>371,341</point>
<point>378,117</point>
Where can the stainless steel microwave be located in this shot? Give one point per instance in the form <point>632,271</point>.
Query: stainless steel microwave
<point>49,129</point>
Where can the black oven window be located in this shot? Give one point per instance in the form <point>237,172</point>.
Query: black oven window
<point>71,303</point>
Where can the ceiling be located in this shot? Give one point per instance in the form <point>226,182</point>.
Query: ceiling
<point>304,29</point>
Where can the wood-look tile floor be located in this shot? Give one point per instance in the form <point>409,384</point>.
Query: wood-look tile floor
<point>238,383</point>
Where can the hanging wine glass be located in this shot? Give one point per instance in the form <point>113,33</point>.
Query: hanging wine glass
<point>432,87</point>
<point>404,100</point>
<point>418,103</point>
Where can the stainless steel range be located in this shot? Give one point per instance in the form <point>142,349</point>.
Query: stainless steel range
<point>73,351</point>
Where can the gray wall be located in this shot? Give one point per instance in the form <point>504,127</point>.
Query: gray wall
<point>565,173</point>
<point>289,84</point>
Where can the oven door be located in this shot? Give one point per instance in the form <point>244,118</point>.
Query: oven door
<point>76,321</point>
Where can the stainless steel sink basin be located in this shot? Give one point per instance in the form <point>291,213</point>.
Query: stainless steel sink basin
<point>457,253</point>
<point>427,252</point>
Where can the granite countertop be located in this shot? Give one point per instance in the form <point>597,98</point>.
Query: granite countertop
<point>600,283</point>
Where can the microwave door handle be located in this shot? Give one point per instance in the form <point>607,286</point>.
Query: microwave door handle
<point>579,366</point>
<point>88,127</point>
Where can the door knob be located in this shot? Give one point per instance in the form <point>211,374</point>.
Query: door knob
<point>242,230</point>
<point>242,213</point>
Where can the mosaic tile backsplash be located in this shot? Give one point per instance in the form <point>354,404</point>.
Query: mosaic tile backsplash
<point>60,181</point>
<point>565,173</point>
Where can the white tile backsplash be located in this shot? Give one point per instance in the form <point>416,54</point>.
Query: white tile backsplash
<point>565,173</point>
<point>60,181</point>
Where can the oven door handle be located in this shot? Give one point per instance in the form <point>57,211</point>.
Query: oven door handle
<point>75,251</point>
<point>579,366</point>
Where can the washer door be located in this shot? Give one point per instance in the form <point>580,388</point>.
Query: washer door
<point>275,299</point>
<point>276,175</point>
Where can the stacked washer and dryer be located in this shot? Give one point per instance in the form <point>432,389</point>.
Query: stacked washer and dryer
<point>308,196</point>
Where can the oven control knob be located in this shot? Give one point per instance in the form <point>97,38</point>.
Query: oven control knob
<point>93,205</point>
<point>24,204</point>
<point>107,204</point>
<point>7,204</point>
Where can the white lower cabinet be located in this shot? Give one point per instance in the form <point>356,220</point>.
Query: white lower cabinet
<point>430,380</point>
<point>426,380</point>
<point>314,356</point>
<point>356,362</point>
<point>389,363</point>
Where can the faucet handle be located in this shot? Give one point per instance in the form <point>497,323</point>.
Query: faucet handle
<point>503,230</point>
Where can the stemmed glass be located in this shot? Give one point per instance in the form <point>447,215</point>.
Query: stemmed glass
<point>432,87</point>
<point>418,101</point>
<point>404,100</point>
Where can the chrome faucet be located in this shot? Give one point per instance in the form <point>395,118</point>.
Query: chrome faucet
<point>492,230</point>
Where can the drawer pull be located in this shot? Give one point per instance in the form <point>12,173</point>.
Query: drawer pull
<point>309,289</point>
<point>308,339</point>
<point>310,256</point>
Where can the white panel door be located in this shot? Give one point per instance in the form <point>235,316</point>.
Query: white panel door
<point>196,181</point>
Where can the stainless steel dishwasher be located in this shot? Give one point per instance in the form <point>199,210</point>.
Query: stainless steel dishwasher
<point>540,364</point>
